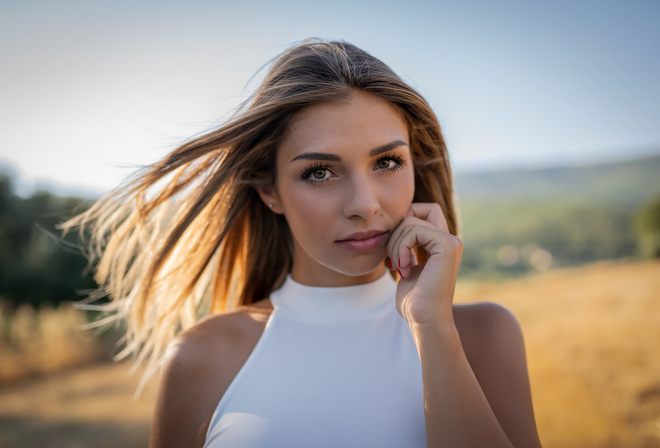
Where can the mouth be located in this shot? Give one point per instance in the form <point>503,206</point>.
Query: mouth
<point>363,241</point>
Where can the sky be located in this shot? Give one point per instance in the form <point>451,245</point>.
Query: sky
<point>90,90</point>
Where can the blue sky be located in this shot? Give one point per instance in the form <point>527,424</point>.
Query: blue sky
<point>91,89</point>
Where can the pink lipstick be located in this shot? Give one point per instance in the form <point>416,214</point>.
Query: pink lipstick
<point>363,241</point>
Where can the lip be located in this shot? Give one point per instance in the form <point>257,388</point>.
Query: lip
<point>363,241</point>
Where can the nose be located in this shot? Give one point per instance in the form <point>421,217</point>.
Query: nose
<point>361,199</point>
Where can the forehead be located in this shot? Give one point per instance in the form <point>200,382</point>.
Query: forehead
<point>363,121</point>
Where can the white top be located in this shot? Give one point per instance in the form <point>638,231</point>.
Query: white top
<point>334,367</point>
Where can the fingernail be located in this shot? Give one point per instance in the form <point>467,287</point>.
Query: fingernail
<point>401,274</point>
<point>390,263</point>
<point>399,261</point>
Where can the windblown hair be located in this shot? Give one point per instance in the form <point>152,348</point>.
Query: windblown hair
<point>189,235</point>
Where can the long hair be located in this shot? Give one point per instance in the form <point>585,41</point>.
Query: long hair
<point>189,235</point>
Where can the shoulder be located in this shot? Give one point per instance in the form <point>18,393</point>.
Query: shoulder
<point>491,338</point>
<point>223,330</point>
<point>485,321</point>
<point>493,343</point>
<point>215,341</point>
<point>198,367</point>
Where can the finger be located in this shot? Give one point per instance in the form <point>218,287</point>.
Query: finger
<point>434,241</point>
<point>400,253</point>
<point>414,236</point>
<point>404,227</point>
<point>430,212</point>
<point>406,222</point>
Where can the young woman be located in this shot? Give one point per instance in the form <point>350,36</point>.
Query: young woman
<point>290,225</point>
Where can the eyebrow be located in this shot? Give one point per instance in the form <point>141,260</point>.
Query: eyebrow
<point>335,158</point>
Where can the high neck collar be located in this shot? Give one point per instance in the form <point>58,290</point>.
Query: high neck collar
<point>335,304</point>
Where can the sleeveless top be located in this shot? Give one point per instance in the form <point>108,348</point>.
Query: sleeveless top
<point>334,367</point>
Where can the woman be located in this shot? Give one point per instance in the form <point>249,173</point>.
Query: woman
<point>282,224</point>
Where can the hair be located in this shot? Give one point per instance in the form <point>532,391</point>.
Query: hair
<point>189,234</point>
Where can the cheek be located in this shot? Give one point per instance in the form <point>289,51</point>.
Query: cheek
<point>410,185</point>
<point>306,206</point>
<point>402,192</point>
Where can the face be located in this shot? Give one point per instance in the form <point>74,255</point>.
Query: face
<point>345,180</point>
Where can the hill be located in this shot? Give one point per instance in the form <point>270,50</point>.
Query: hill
<point>517,221</point>
<point>629,183</point>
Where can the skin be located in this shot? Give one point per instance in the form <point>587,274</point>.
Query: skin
<point>369,187</point>
<point>476,386</point>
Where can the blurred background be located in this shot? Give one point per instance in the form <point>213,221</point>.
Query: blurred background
<point>551,111</point>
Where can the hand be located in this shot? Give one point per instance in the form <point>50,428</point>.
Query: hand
<point>425,291</point>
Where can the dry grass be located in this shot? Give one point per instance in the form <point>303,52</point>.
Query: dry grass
<point>89,407</point>
<point>37,342</point>
<point>591,337</point>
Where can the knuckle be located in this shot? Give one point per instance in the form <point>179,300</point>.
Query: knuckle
<point>407,228</point>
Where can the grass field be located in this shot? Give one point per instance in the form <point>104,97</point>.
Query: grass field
<point>592,338</point>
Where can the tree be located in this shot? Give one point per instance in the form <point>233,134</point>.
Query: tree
<point>38,266</point>
<point>647,229</point>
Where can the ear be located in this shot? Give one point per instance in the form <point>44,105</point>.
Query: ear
<point>269,196</point>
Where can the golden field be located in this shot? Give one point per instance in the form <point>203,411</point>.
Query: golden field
<point>591,334</point>
<point>592,337</point>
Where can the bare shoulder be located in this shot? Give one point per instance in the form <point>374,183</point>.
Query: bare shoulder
<point>226,330</point>
<point>199,366</point>
<point>485,323</point>
<point>492,340</point>
<point>493,343</point>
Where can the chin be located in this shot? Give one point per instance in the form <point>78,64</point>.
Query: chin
<point>361,269</point>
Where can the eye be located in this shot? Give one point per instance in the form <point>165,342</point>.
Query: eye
<point>390,163</point>
<point>319,174</point>
<point>316,174</point>
<point>385,163</point>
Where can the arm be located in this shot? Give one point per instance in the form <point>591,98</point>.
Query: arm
<point>199,367</point>
<point>475,380</point>
<point>480,400</point>
<point>179,419</point>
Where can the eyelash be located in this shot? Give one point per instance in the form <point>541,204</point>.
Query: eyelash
<point>305,176</point>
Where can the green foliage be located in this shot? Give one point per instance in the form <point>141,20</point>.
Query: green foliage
<point>647,229</point>
<point>517,221</point>
<point>560,234</point>
<point>627,184</point>
<point>37,266</point>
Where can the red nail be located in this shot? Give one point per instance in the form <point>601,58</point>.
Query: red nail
<point>401,274</point>
<point>390,262</point>
<point>399,260</point>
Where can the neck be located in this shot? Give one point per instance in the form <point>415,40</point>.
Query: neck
<point>331,278</point>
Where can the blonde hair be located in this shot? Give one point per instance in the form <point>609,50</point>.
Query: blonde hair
<point>189,234</point>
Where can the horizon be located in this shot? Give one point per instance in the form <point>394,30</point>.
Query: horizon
<point>25,187</point>
<point>92,88</point>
